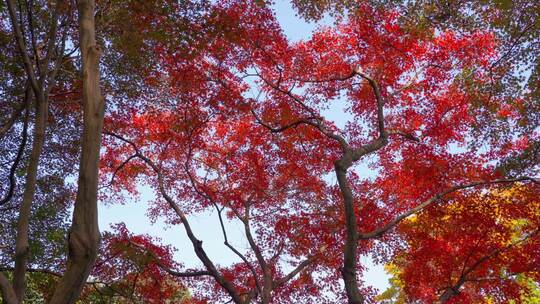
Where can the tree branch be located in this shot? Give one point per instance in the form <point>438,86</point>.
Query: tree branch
<point>267,275</point>
<point>280,282</point>
<point>22,48</point>
<point>226,241</point>
<point>408,136</point>
<point>20,151</point>
<point>380,101</point>
<point>122,165</point>
<point>453,290</point>
<point>379,232</point>
<point>34,270</point>
<point>185,274</point>
<point>282,128</point>
<point>197,244</point>
<point>318,122</point>
<point>11,121</point>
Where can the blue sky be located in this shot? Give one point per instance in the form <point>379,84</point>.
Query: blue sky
<point>206,226</point>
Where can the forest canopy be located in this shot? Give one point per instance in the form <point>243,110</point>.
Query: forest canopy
<point>403,131</point>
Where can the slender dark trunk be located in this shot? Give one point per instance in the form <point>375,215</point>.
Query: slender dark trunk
<point>453,291</point>
<point>448,294</point>
<point>349,253</point>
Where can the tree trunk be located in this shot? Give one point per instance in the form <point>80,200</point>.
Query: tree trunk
<point>21,246</point>
<point>451,292</point>
<point>8,295</point>
<point>446,296</point>
<point>84,233</point>
<point>349,253</point>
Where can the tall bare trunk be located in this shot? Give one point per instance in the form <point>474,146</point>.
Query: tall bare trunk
<point>84,233</point>
<point>21,245</point>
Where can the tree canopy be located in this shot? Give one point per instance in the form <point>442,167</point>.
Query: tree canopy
<point>430,166</point>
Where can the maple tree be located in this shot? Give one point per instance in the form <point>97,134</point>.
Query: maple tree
<point>513,73</point>
<point>132,268</point>
<point>480,250</point>
<point>416,88</point>
<point>41,135</point>
<point>212,107</point>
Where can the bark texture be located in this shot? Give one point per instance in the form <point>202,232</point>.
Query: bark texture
<point>84,233</point>
<point>22,251</point>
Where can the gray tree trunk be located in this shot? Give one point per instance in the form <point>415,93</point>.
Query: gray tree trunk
<point>84,233</point>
